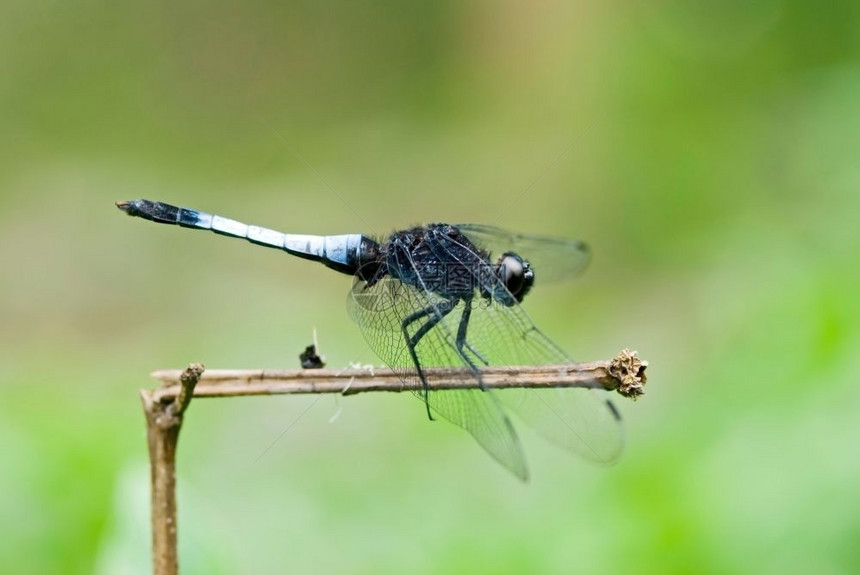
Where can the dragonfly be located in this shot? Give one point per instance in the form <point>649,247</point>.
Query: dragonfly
<point>443,295</point>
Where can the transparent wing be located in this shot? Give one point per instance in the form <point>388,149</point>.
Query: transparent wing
<point>584,421</point>
<point>552,258</point>
<point>380,311</point>
<point>581,420</point>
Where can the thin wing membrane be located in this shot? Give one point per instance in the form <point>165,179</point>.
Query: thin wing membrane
<point>380,310</point>
<point>583,421</point>
<point>552,258</point>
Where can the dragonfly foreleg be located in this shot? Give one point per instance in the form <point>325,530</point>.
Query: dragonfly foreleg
<point>437,315</point>
<point>461,342</point>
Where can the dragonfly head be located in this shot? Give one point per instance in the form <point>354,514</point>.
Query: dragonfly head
<point>517,277</point>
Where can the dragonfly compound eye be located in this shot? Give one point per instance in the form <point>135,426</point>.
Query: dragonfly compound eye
<point>517,275</point>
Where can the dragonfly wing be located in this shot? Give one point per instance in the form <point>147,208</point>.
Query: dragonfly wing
<point>584,421</point>
<point>380,310</point>
<point>552,258</point>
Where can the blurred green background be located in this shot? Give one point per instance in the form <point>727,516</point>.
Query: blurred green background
<point>707,153</point>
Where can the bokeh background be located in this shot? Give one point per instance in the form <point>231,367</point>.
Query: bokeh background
<point>707,152</point>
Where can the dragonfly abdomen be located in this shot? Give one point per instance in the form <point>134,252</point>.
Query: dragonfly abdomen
<point>344,253</point>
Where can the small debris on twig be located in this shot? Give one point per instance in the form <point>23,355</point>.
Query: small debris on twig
<point>629,370</point>
<point>337,413</point>
<point>365,367</point>
<point>310,357</point>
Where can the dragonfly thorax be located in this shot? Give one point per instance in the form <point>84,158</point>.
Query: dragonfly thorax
<point>439,259</point>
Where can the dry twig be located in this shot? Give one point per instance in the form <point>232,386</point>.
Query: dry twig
<point>624,374</point>
<point>164,408</point>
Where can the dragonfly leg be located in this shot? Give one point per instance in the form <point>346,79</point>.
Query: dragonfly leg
<point>461,342</point>
<point>476,353</point>
<point>461,338</point>
<point>413,317</point>
<point>412,341</point>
